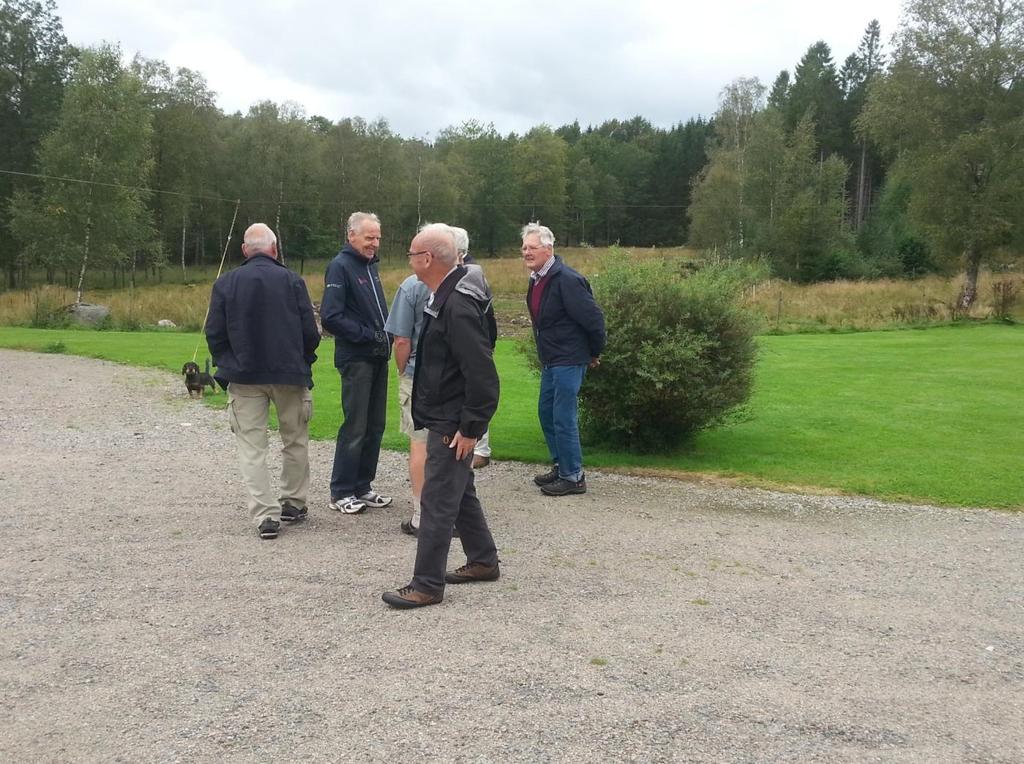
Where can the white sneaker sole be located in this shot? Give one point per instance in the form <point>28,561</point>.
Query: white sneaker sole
<point>348,508</point>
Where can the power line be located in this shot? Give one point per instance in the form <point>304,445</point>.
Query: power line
<point>146,189</point>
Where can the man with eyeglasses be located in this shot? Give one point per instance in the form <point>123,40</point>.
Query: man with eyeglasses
<point>454,396</point>
<point>568,327</point>
<point>354,311</point>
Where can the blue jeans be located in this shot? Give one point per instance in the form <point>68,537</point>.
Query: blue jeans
<point>557,409</point>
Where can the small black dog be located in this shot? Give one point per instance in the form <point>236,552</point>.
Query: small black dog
<point>196,380</point>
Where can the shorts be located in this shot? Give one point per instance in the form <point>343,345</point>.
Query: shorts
<point>405,425</point>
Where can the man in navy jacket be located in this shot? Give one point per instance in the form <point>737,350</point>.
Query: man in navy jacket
<point>568,327</point>
<point>262,335</point>
<point>354,310</point>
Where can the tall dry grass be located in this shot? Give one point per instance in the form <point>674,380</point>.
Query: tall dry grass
<point>879,304</point>
<point>782,306</point>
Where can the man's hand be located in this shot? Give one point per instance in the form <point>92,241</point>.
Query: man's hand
<point>463,446</point>
<point>594,363</point>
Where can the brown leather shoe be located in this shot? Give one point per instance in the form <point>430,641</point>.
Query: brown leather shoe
<point>472,572</point>
<point>407,597</point>
<point>479,462</point>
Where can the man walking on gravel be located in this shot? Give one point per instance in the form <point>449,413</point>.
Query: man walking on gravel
<point>568,327</point>
<point>262,335</point>
<point>454,396</point>
<point>354,310</point>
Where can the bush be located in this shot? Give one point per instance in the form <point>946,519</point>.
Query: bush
<point>843,263</point>
<point>680,352</point>
<point>1005,293</point>
<point>915,257</point>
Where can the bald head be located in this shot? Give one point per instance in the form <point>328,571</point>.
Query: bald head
<point>259,240</point>
<point>440,241</point>
<point>432,254</point>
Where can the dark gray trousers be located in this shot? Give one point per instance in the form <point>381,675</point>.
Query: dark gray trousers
<point>448,500</point>
<point>364,399</point>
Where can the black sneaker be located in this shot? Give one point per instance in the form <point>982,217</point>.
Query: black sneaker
<point>290,514</point>
<point>563,487</point>
<point>268,529</point>
<point>548,477</point>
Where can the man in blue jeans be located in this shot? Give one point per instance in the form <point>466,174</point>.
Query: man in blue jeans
<point>568,327</point>
<point>354,311</point>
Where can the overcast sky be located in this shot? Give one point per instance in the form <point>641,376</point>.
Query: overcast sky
<point>426,65</point>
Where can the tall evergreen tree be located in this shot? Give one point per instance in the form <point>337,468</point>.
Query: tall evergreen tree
<point>859,71</point>
<point>778,96</point>
<point>815,93</point>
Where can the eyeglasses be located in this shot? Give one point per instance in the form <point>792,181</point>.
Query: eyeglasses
<point>413,254</point>
<point>532,247</point>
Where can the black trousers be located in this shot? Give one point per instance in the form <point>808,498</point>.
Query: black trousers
<point>448,500</point>
<point>364,400</point>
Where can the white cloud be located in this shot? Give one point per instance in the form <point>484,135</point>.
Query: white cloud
<point>424,66</point>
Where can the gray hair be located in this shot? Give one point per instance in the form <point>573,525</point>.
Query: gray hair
<point>356,220</point>
<point>258,236</point>
<point>461,240</point>
<point>441,238</point>
<point>547,239</point>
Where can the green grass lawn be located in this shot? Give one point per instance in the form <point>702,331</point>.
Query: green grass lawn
<point>930,415</point>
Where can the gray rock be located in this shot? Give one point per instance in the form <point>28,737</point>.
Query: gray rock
<point>88,314</point>
<point>166,323</point>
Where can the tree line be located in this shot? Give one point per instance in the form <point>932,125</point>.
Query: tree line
<point>893,163</point>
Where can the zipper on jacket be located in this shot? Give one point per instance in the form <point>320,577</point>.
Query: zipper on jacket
<point>373,288</point>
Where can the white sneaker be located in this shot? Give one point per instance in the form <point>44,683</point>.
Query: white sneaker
<point>372,499</point>
<point>348,505</point>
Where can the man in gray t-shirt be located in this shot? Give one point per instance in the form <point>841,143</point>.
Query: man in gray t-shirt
<point>405,321</point>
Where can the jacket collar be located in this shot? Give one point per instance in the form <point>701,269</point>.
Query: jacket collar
<point>348,250</point>
<point>261,256</point>
<point>551,266</point>
<point>445,290</point>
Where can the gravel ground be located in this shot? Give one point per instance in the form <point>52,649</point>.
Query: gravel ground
<point>648,620</point>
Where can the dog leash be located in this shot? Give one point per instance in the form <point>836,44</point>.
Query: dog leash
<point>220,270</point>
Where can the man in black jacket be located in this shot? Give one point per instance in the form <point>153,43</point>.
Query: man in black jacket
<point>354,310</point>
<point>262,335</point>
<point>454,396</point>
<point>568,327</point>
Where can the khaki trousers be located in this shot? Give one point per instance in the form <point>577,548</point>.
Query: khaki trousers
<point>248,410</point>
